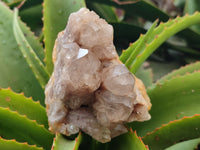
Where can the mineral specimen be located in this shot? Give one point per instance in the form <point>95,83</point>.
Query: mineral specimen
<point>90,89</point>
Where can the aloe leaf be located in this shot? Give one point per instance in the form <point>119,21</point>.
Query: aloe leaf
<point>61,143</point>
<point>12,3</point>
<point>33,61</point>
<point>129,141</point>
<point>138,47</point>
<point>174,132</point>
<point>164,67</point>
<point>187,34</point>
<point>32,40</point>
<point>24,106</point>
<point>186,145</point>
<point>15,126</point>
<point>104,11</point>
<point>31,3</point>
<point>13,145</point>
<point>171,100</point>
<point>179,3</point>
<point>184,49</point>
<point>146,75</point>
<point>27,3</point>
<point>56,14</point>
<point>190,8</point>
<point>137,8</point>
<point>15,72</point>
<point>156,38</point>
<point>33,17</point>
<point>126,32</point>
<point>182,71</point>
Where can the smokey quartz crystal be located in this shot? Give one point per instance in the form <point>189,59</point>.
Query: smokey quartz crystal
<point>90,89</point>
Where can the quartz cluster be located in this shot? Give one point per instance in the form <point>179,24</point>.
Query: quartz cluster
<point>90,89</point>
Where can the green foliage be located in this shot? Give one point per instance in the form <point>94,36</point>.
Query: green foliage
<point>129,140</point>
<point>137,7</point>
<point>33,61</point>
<point>186,145</point>
<point>26,68</point>
<point>182,71</point>
<point>61,143</point>
<point>170,101</point>
<point>104,11</point>
<point>56,14</point>
<point>15,126</point>
<point>175,131</point>
<point>136,54</point>
<point>12,144</point>
<point>190,8</point>
<point>24,106</point>
<point>15,72</point>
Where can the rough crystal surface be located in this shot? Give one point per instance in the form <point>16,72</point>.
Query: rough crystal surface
<point>90,89</point>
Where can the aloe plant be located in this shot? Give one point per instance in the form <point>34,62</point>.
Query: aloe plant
<point>26,65</point>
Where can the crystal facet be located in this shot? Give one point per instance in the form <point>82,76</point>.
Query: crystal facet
<point>90,89</point>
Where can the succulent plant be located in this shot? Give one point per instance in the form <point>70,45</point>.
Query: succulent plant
<point>26,66</point>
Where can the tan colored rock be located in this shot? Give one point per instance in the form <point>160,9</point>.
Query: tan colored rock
<point>90,89</point>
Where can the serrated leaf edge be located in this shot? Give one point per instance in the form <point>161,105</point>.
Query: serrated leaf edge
<point>160,35</point>
<point>135,132</point>
<point>21,143</point>
<point>158,84</point>
<point>170,122</point>
<point>30,56</point>
<point>22,93</point>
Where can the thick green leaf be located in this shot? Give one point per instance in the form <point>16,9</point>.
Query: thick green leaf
<point>127,141</point>
<point>190,7</point>
<point>33,17</point>
<point>15,126</point>
<point>171,100</point>
<point>174,132</point>
<point>27,3</point>
<point>179,3</point>
<point>33,61</point>
<point>138,52</point>
<point>12,3</point>
<point>164,67</point>
<point>32,40</point>
<point>31,3</point>
<point>104,11</point>
<point>15,72</point>
<point>146,75</point>
<point>24,106</point>
<point>56,14</point>
<point>13,145</point>
<point>182,71</point>
<point>126,33</point>
<point>187,34</point>
<point>185,49</point>
<point>61,143</point>
<point>137,8</point>
<point>186,145</point>
<point>130,55</point>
